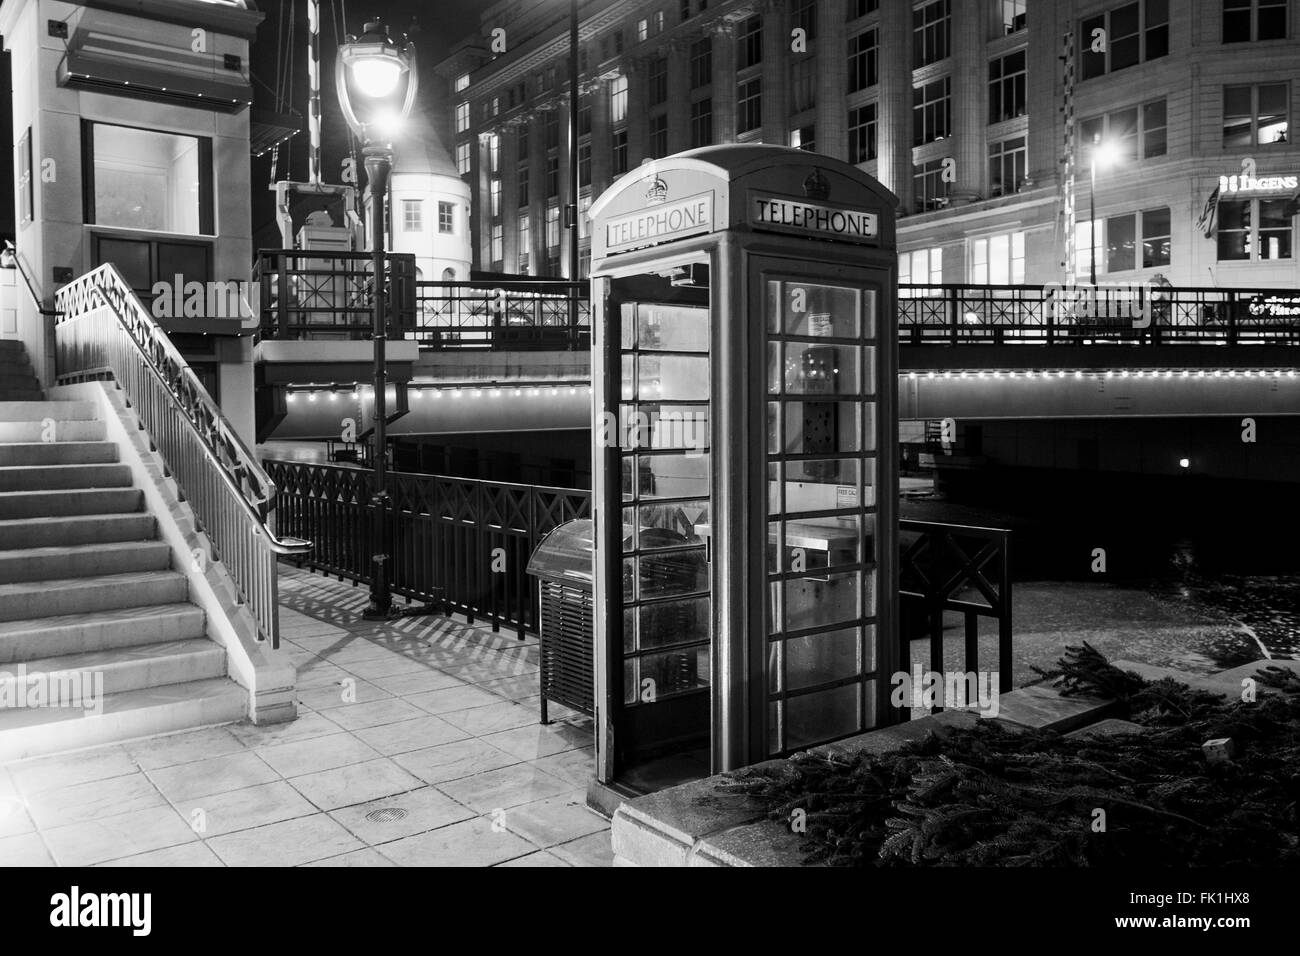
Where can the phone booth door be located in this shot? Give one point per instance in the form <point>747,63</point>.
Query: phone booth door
<point>660,373</point>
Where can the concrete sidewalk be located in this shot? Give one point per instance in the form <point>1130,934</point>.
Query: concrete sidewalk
<point>418,744</point>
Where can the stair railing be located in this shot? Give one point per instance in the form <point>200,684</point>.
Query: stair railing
<point>105,332</point>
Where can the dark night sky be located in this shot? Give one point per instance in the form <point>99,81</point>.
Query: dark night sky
<point>439,25</point>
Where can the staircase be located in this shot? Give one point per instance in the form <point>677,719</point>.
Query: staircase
<point>87,591</point>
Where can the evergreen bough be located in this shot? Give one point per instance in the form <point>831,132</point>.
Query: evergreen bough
<point>990,796</point>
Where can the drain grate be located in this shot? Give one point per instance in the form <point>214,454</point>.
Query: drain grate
<point>386,815</point>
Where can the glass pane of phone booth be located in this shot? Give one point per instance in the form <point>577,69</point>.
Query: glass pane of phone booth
<point>821,542</point>
<point>663,385</point>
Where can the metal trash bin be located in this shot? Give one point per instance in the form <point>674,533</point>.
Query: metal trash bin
<point>562,564</point>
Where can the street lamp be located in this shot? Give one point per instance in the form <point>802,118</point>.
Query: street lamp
<point>574,183</point>
<point>376,79</point>
<point>1104,153</point>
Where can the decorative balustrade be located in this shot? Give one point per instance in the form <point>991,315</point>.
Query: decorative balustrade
<point>104,332</point>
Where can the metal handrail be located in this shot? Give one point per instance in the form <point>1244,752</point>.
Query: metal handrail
<point>105,331</point>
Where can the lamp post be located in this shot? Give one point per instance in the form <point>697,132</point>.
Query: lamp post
<point>574,182</point>
<point>1105,154</point>
<point>376,79</point>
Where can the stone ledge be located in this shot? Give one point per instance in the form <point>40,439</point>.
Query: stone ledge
<point>695,824</point>
<point>1225,683</point>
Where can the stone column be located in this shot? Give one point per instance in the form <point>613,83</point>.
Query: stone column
<point>509,195</point>
<point>537,191</point>
<point>679,94</point>
<point>894,115</point>
<point>776,70</point>
<point>832,80</point>
<point>724,82</point>
<point>637,73</point>
<point>970,102</point>
<point>602,145</point>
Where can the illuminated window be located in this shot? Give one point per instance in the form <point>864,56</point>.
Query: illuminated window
<point>464,158</point>
<point>998,260</point>
<point>552,227</point>
<point>618,100</point>
<point>412,215</point>
<point>1012,18</point>
<point>920,267</point>
<point>462,82</point>
<point>1255,115</point>
<point>1255,230</point>
<point>462,117</point>
<point>146,179</point>
<point>1137,132</point>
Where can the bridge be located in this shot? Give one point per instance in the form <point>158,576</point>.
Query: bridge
<point>506,356</point>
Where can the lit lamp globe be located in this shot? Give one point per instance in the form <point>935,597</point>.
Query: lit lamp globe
<point>377,79</point>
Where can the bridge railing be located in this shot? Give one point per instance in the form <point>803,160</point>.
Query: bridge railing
<point>457,541</point>
<point>1054,314</point>
<point>326,295</point>
<point>509,315</point>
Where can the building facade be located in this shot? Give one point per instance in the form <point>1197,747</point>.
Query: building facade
<point>429,213</point>
<point>131,133</point>
<point>989,119</point>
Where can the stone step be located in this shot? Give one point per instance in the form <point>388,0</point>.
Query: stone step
<point>33,599</point>
<point>58,453</point>
<point>59,477</point>
<point>20,393</point>
<point>51,532</point>
<point>12,347</point>
<point>83,560</point>
<point>33,732</point>
<point>75,678</point>
<point>77,430</point>
<point>98,631</point>
<point>14,364</point>
<point>40,504</point>
<point>20,377</point>
<point>39,411</point>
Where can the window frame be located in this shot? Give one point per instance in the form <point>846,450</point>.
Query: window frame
<point>207,202</point>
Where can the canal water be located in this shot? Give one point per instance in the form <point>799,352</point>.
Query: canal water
<point>1197,575</point>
